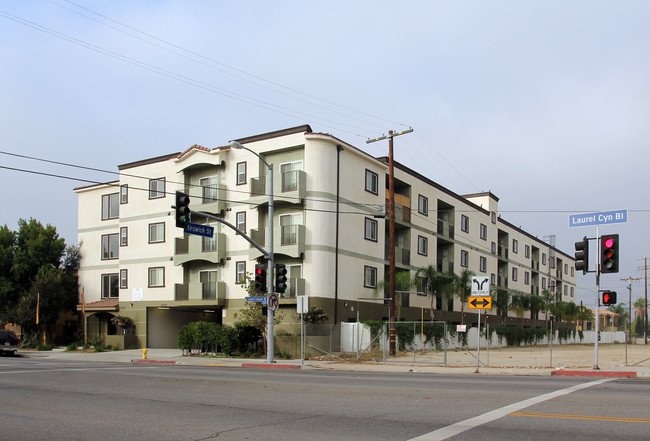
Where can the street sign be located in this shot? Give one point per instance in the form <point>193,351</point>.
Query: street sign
<point>274,303</point>
<point>258,299</point>
<point>601,218</point>
<point>199,230</point>
<point>302,304</point>
<point>480,302</point>
<point>481,286</point>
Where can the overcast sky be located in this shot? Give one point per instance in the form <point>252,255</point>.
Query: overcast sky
<point>544,103</point>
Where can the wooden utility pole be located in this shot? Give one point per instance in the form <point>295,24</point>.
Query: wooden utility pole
<point>629,281</point>
<point>391,233</point>
<point>645,309</point>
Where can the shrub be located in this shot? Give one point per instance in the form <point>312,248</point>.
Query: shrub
<point>29,340</point>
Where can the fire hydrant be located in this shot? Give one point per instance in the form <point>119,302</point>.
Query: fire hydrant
<point>144,353</point>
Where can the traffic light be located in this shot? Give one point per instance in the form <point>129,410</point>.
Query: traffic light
<point>609,253</point>
<point>609,298</point>
<point>582,255</point>
<point>260,278</point>
<point>280,278</point>
<point>182,210</point>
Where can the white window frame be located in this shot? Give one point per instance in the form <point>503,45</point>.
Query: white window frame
<point>209,189</point>
<point>240,272</point>
<point>239,222</point>
<point>124,194</point>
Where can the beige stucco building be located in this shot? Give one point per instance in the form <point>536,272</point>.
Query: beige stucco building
<point>327,195</point>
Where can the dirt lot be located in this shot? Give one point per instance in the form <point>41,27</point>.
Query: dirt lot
<point>561,356</point>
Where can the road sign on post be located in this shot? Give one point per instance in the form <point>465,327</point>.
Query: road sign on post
<point>480,303</point>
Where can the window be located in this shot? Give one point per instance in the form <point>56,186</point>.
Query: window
<point>572,291</point>
<point>543,258</point>
<point>110,246</point>
<point>124,236</point>
<point>372,182</point>
<point>156,277</point>
<point>566,269</point>
<point>543,282</point>
<point>515,246</point>
<point>493,248</point>
<point>493,279</point>
<point>240,272</point>
<point>514,274</point>
<point>464,258</point>
<point>241,173</point>
<point>109,286</point>
<point>157,188</point>
<point>240,221</point>
<point>464,223</point>
<point>289,228</point>
<point>289,173</point>
<point>566,290</point>
<point>123,279</point>
<point>209,189</point>
<point>124,194</point>
<point>110,206</point>
<point>483,264</point>
<point>157,232</point>
<point>573,273</point>
<point>483,231</point>
<point>526,277</point>
<point>423,245</point>
<point>493,215</point>
<point>369,277</point>
<point>423,205</point>
<point>208,280</point>
<point>370,231</point>
<point>209,243</point>
<point>527,251</point>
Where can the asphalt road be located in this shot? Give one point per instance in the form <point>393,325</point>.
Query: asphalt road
<point>66,400</point>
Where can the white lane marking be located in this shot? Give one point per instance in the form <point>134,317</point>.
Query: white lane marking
<point>45,370</point>
<point>462,426</point>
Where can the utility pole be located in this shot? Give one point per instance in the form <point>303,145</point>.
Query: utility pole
<point>629,281</point>
<point>391,232</point>
<point>645,313</point>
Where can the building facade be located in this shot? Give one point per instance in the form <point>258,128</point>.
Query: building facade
<point>144,278</point>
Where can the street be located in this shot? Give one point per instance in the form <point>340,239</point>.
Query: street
<point>55,399</point>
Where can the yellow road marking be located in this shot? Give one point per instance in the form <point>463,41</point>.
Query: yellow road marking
<point>582,417</point>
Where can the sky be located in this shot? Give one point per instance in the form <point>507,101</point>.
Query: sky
<point>544,103</point>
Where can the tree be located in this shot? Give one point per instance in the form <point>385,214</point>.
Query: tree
<point>402,283</point>
<point>502,302</point>
<point>520,304</point>
<point>623,315</point>
<point>548,298</point>
<point>251,315</point>
<point>462,287</point>
<point>536,305</point>
<point>433,283</point>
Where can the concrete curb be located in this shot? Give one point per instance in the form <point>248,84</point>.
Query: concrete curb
<point>615,374</point>
<point>270,366</point>
<point>147,361</point>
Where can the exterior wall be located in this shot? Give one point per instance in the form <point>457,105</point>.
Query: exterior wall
<point>331,171</point>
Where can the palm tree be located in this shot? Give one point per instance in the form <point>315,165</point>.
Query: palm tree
<point>462,287</point>
<point>536,305</point>
<point>433,283</point>
<point>548,298</point>
<point>520,304</point>
<point>402,283</point>
<point>502,302</point>
<point>623,315</point>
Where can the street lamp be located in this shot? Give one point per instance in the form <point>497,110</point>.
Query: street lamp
<point>269,289</point>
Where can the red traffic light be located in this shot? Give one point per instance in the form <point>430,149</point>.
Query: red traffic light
<point>608,243</point>
<point>609,298</point>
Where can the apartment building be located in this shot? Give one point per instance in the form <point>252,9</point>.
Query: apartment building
<point>143,278</point>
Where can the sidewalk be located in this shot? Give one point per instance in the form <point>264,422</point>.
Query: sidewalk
<point>175,357</point>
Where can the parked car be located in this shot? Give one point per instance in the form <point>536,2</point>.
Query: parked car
<point>8,342</point>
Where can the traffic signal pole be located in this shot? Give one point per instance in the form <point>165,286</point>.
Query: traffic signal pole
<point>596,367</point>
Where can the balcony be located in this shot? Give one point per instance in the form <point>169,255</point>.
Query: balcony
<point>212,200</point>
<point>197,293</point>
<point>503,252</point>
<point>445,266</point>
<point>402,209</point>
<point>290,188</point>
<point>445,229</point>
<point>295,287</point>
<point>191,248</point>
<point>402,255</point>
<point>288,240</point>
